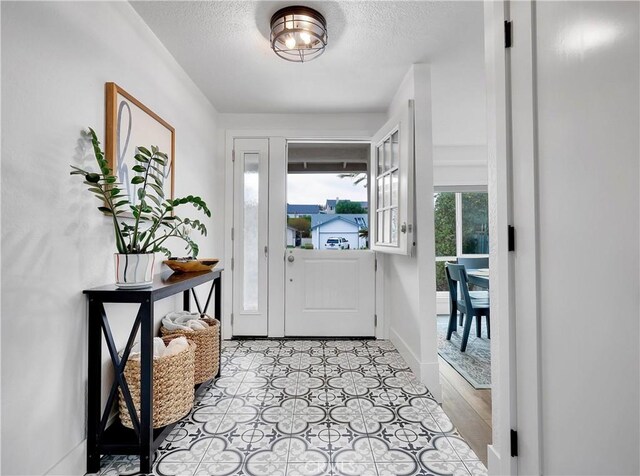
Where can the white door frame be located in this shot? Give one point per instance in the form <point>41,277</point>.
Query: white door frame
<point>251,322</point>
<point>500,217</point>
<point>277,221</point>
<point>525,210</point>
<point>511,99</point>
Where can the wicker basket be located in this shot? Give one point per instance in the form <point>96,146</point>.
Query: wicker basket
<point>207,348</point>
<point>173,391</point>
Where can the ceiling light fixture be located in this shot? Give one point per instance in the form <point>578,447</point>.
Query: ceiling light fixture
<point>298,34</point>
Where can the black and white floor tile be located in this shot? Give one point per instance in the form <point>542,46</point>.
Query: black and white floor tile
<point>312,408</point>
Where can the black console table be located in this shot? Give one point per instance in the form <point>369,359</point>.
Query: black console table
<point>143,440</point>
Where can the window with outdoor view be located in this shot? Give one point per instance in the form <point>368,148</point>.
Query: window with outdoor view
<point>461,229</point>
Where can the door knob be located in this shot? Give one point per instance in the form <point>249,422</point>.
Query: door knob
<point>291,259</point>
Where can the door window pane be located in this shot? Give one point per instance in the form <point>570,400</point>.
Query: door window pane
<point>395,150</point>
<point>380,219</point>
<point>380,159</point>
<point>394,226</point>
<point>394,189</point>
<point>250,232</point>
<point>387,190</point>
<point>387,229</point>
<point>387,154</point>
<point>380,203</point>
<point>475,223</point>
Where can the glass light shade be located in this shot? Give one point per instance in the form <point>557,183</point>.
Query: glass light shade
<point>298,34</point>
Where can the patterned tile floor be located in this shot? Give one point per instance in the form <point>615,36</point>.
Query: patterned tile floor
<point>312,407</point>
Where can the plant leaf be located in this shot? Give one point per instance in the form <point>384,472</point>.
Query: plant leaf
<point>154,199</point>
<point>157,189</point>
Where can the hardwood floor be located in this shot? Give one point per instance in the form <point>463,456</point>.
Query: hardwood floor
<point>469,409</point>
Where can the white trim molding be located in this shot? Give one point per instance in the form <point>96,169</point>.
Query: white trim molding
<point>527,263</point>
<point>503,361</point>
<point>428,372</point>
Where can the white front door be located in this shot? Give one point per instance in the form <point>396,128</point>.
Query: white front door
<point>250,232</point>
<point>330,293</point>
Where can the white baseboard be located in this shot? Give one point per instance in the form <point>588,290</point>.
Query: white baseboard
<point>430,376</point>
<point>405,351</point>
<point>427,372</point>
<point>493,461</point>
<point>442,303</point>
<point>74,463</point>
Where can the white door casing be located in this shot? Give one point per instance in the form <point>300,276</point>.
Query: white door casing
<point>250,237</point>
<point>503,357</point>
<point>330,293</point>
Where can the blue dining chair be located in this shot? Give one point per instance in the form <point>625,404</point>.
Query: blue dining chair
<point>472,307</point>
<point>454,291</point>
<point>474,263</point>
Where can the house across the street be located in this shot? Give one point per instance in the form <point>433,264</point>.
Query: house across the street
<point>295,211</point>
<point>325,226</point>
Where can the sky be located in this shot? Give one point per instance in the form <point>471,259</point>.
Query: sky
<point>315,189</point>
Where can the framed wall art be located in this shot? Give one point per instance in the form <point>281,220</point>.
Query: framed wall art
<point>131,124</point>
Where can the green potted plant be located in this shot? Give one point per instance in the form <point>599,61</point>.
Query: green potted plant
<point>154,219</point>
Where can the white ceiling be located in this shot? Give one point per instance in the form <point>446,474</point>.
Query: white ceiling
<point>224,47</point>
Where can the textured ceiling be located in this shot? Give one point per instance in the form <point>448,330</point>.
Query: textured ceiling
<point>224,47</point>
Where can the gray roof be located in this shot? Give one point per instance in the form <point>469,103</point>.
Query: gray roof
<point>302,209</point>
<point>361,220</point>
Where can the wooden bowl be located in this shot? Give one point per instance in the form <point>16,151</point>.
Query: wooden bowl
<point>192,265</point>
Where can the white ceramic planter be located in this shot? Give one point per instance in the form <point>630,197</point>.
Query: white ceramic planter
<point>134,271</point>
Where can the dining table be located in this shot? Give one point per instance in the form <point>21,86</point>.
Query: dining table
<point>478,277</point>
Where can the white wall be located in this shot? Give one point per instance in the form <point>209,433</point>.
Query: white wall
<point>459,119</point>
<point>409,284</point>
<point>363,124</point>
<point>56,57</point>
<point>588,199</point>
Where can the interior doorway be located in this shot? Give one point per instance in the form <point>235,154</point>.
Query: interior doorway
<point>461,225</point>
<point>329,269</point>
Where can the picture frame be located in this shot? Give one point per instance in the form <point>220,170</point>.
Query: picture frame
<point>130,124</point>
